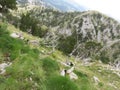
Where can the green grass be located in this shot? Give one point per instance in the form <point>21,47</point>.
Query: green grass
<point>60,83</point>
<point>84,82</point>
<point>49,66</point>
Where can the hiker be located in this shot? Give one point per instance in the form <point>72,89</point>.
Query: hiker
<point>70,73</point>
<point>63,72</point>
<point>70,64</point>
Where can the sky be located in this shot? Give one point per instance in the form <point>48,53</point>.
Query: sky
<point>108,7</point>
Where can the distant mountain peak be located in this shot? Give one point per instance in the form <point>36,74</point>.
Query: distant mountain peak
<point>63,5</point>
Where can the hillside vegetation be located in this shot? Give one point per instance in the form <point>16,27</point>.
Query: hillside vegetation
<point>33,68</point>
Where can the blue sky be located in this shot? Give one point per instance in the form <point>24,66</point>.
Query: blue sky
<point>108,7</point>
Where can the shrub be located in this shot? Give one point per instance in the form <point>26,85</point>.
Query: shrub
<point>43,31</point>
<point>67,45</point>
<point>104,58</point>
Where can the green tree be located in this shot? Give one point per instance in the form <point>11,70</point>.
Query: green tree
<point>67,44</point>
<point>7,4</point>
<point>30,23</point>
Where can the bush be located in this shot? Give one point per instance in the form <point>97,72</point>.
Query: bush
<point>104,57</point>
<point>43,31</point>
<point>67,45</point>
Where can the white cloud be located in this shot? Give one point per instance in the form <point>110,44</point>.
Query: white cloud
<point>109,7</point>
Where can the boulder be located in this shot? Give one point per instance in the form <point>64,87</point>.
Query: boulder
<point>3,66</point>
<point>14,35</point>
<point>70,70</point>
<point>73,76</point>
<point>96,80</point>
<point>17,35</point>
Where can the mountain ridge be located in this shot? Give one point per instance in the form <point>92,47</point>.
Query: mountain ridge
<point>88,30</point>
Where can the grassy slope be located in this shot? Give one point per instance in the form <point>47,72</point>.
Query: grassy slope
<point>33,69</point>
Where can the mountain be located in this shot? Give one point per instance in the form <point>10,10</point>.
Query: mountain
<point>86,34</point>
<point>63,5</point>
